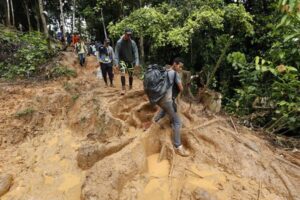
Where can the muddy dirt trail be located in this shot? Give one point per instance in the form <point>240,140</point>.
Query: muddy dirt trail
<point>73,138</point>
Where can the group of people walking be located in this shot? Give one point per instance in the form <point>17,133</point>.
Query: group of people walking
<point>125,57</point>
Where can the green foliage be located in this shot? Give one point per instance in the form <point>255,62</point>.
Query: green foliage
<point>238,21</point>
<point>59,71</point>
<point>25,112</point>
<point>286,48</point>
<point>203,19</point>
<point>31,52</point>
<point>237,59</point>
<point>165,25</point>
<point>152,23</point>
<point>75,97</point>
<point>278,86</point>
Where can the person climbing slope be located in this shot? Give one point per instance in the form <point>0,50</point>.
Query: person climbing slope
<point>127,57</point>
<point>107,59</point>
<point>162,88</point>
<point>81,50</point>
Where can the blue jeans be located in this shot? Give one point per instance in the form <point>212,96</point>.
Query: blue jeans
<point>168,108</point>
<point>81,58</point>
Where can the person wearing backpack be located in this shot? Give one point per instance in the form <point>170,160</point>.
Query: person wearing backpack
<point>127,57</point>
<point>162,88</point>
<point>106,59</point>
<point>81,50</point>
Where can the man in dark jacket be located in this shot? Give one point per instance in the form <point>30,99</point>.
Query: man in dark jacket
<point>127,57</point>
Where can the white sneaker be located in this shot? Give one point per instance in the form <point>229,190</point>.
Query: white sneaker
<point>182,151</point>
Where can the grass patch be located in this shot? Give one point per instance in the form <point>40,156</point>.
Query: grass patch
<point>75,97</point>
<point>26,112</point>
<point>59,71</point>
<point>67,86</point>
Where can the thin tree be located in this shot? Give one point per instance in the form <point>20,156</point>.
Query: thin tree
<point>44,23</point>
<point>141,41</point>
<point>103,24</point>
<point>37,16</point>
<point>12,12</point>
<point>25,4</point>
<point>8,22</point>
<point>62,19</point>
<point>73,16</point>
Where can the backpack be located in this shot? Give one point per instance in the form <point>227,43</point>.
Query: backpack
<point>156,83</point>
<point>102,50</point>
<point>104,55</point>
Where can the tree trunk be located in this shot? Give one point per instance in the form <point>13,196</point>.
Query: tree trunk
<point>37,16</point>
<point>141,41</point>
<point>62,19</point>
<point>8,22</point>
<point>186,79</point>
<point>44,23</point>
<point>79,25</point>
<point>103,24</point>
<point>73,16</point>
<point>27,15</point>
<point>12,12</point>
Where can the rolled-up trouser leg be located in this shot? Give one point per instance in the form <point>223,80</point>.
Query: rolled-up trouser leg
<point>175,119</point>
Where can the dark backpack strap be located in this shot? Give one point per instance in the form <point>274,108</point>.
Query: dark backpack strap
<point>175,90</point>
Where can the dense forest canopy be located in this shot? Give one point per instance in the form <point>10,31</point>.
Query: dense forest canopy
<point>255,41</point>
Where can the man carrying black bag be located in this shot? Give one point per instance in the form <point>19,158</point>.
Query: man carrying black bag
<point>173,87</point>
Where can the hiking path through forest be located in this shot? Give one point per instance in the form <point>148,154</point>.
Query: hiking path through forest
<point>74,138</point>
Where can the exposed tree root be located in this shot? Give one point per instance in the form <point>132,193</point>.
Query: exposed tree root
<point>259,190</point>
<point>204,138</point>
<point>172,164</point>
<point>162,153</point>
<point>291,190</point>
<point>246,144</point>
<point>207,123</point>
<point>233,125</point>
<point>187,169</point>
<point>181,186</point>
<point>287,162</point>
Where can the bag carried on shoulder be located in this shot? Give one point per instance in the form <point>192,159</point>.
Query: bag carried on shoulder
<point>78,47</point>
<point>104,56</point>
<point>156,83</point>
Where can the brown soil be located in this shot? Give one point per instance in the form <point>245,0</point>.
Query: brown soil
<point>76,139</point>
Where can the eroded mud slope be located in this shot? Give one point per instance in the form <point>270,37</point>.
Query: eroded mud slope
<point>76,139</point>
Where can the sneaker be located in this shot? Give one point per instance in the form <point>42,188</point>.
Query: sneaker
<point>112,85</point>
<point>130,87</point>
<point>182,151</point>
<point>123,90</point>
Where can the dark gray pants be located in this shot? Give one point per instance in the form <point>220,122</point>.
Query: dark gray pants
<point>168,108</point>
